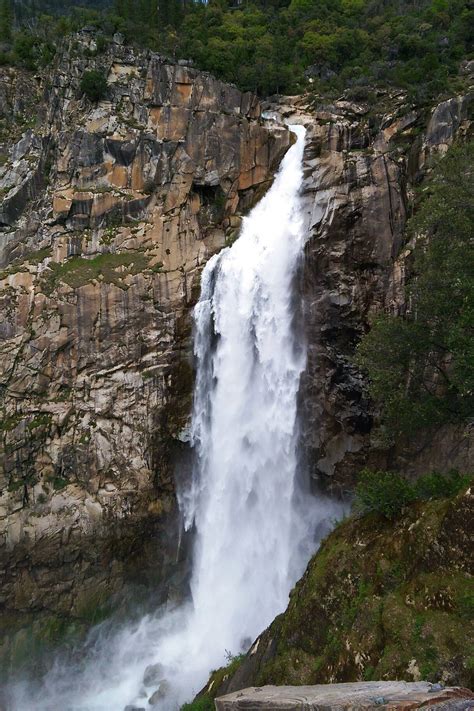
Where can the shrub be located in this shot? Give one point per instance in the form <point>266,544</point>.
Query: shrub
<point>381,492</point>
<point>387,493</point>
<point>438,486</point>
<point>94,85</point>
<point>25,49</point>
<point>102,44</point>
<point>149,187</point>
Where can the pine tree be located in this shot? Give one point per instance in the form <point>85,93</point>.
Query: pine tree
<point>6,20</point>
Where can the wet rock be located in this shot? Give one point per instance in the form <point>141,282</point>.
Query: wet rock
<point>153,674</point>
<point>160,693</point>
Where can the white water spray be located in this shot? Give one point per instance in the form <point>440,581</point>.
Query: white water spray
<point>251,536</point>
<point>244,422</point>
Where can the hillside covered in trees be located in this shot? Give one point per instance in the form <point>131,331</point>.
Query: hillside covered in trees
<point>269,46</point>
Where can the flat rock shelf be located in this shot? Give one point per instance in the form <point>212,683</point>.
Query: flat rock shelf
<point>387,695</point>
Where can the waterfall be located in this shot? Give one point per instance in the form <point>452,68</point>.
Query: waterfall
<point>253,534</point>
<point>244,421</point>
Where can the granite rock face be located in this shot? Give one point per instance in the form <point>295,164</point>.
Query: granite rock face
<point>362,163</point>
<point>370,695</point>
<point>108,213</point>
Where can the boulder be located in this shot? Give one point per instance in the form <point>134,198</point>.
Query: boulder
<point>160,693</point>
<point>153,674</point>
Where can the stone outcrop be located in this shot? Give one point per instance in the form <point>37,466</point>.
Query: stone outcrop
<point>108,213</point>
<point>362,163</point>
<point>370,695</point>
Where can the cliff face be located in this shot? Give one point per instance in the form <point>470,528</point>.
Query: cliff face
<point>108,213</point>
<point>362,164</point>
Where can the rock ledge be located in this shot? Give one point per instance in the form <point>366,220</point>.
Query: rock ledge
<point>393,695</point>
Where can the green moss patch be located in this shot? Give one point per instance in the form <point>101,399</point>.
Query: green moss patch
<point>78,271</point>
<point>20,264</point>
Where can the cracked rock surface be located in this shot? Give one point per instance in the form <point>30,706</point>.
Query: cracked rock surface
<point>109,211</point>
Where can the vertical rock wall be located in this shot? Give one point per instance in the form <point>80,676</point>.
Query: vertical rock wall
<point>108,213</point>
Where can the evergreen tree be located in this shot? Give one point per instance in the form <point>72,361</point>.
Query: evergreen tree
<point>6,20</point>
<point>421,364</point>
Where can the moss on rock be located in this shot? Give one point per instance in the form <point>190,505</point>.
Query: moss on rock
<point>78,271</point>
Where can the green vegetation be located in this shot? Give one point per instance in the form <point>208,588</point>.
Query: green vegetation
<point>43,419</point>
<point>39,255</point>
<point>204,703</point>
<point>59,483</point>
<point>388,493</point>
<point>421,363</point>
<point>94,85</point>
<point>6,20</point>
<point>268,45</point>
<point>8,423</point>
<point>438,486</point>
<point>78,271</point>
<point>31,30</point>
<point>382,492</point>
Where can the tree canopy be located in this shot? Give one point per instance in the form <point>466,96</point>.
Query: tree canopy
<point>277,45</point>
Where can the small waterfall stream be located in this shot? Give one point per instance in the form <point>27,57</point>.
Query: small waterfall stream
<point>253,534</point>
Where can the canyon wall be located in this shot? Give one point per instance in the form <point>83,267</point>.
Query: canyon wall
<point>109,211</point>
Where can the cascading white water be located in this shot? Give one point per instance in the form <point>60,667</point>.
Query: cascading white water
<point>250,531</point>
<point>244,423</point>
